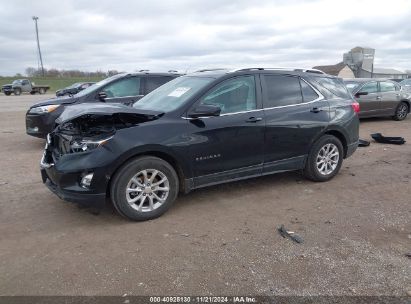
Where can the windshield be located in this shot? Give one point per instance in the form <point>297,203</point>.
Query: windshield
<point>17,81</point>
<point>352,85</point>
<point>98,85</point>
<point>173,94</point>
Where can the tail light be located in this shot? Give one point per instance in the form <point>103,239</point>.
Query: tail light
<point>356,106</point>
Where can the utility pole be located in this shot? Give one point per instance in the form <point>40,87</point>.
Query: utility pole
<point>38,44</point>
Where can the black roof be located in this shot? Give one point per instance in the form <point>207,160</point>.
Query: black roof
<point>147,72</point>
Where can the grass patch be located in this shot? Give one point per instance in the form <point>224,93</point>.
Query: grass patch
<point>54,83</point>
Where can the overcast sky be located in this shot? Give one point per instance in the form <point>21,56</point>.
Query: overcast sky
<point>128,35</point>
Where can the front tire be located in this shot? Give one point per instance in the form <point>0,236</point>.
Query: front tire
<point>144,188</point>
<point>7,93</point>
<point>17,92</point>
<point>401,112</point>
<point>325,159</point>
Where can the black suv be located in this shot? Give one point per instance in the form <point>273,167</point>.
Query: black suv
<point>121,88</point>
<point>202,129</point>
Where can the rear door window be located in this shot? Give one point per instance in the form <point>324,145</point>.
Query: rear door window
<point>281,90</point>
<point>386,86</point>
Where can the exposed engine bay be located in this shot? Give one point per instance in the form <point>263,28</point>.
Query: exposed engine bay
<point>89,131</point>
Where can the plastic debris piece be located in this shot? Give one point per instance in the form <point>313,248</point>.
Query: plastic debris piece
<point>378,137</point>
<point>290,234</point>
<point>363,143</point>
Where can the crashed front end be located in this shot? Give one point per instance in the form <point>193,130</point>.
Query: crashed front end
<point>81,154</point>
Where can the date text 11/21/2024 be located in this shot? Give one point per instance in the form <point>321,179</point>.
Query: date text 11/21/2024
<point>203,299</point>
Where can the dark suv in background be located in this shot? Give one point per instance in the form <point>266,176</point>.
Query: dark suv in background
<point>202,129</point>
<point>121,88</point>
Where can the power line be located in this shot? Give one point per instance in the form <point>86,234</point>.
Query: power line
<point>35,18</point>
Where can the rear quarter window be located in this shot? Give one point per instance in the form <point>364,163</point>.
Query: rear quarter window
<point>308,93</point>
<point>335,86</point>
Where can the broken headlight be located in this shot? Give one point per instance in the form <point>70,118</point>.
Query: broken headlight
<point>84,145</point>
<point>43,109</point>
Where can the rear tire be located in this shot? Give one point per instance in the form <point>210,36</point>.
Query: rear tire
<point>325,159</point>
<point>17,92</point>
<point>156,187</point>
<point>401,111</point>
<point>42,91</point>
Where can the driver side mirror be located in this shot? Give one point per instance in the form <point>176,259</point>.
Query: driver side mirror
<point>204,110</point>
<point>102,96</point>
<point>358,94</point>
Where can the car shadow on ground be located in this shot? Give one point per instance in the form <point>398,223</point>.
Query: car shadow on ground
<point>210,196</point>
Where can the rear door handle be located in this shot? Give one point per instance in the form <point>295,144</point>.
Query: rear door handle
<point>254,119</point>
<point>315,110</point>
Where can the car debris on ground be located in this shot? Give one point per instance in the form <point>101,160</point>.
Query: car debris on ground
<point>378,137</point>
<point>363,143</point>
<point>290,234</point>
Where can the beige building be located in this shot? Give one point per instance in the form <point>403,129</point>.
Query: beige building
<point>340,69</point>
<point>359,63</point>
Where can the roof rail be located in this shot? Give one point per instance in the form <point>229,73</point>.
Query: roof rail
<point>172,71</point>
<point>315,71</point>
<point>143,71</point>
<point>210,70</point>
<point>281,69</point>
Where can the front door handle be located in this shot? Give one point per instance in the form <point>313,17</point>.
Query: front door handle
<point>378,97</point>
<point>254,119</point>
<point>315,110</point>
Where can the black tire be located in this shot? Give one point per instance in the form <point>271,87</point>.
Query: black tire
<point>17,91</point>
<point>7,93</point>
<point>311,170</point>
<point>42,91</point>
<point>401,111</point>
<point>124,176</point>
<point>32,93</point>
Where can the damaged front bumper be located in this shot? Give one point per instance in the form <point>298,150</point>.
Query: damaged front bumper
<point>66,182</point>
<point>79,196</point>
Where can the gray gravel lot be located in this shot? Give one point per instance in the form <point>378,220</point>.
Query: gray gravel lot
<point>218,240</point>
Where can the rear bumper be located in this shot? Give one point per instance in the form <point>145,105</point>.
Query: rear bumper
<point>351,149</point>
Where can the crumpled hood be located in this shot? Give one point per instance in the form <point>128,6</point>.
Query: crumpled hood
<point>74,111</point>
<point>56,101</point>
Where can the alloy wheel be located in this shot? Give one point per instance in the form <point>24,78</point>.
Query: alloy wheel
<point>327,159</point>
<point>147,190</point>
<point>402,111</point>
